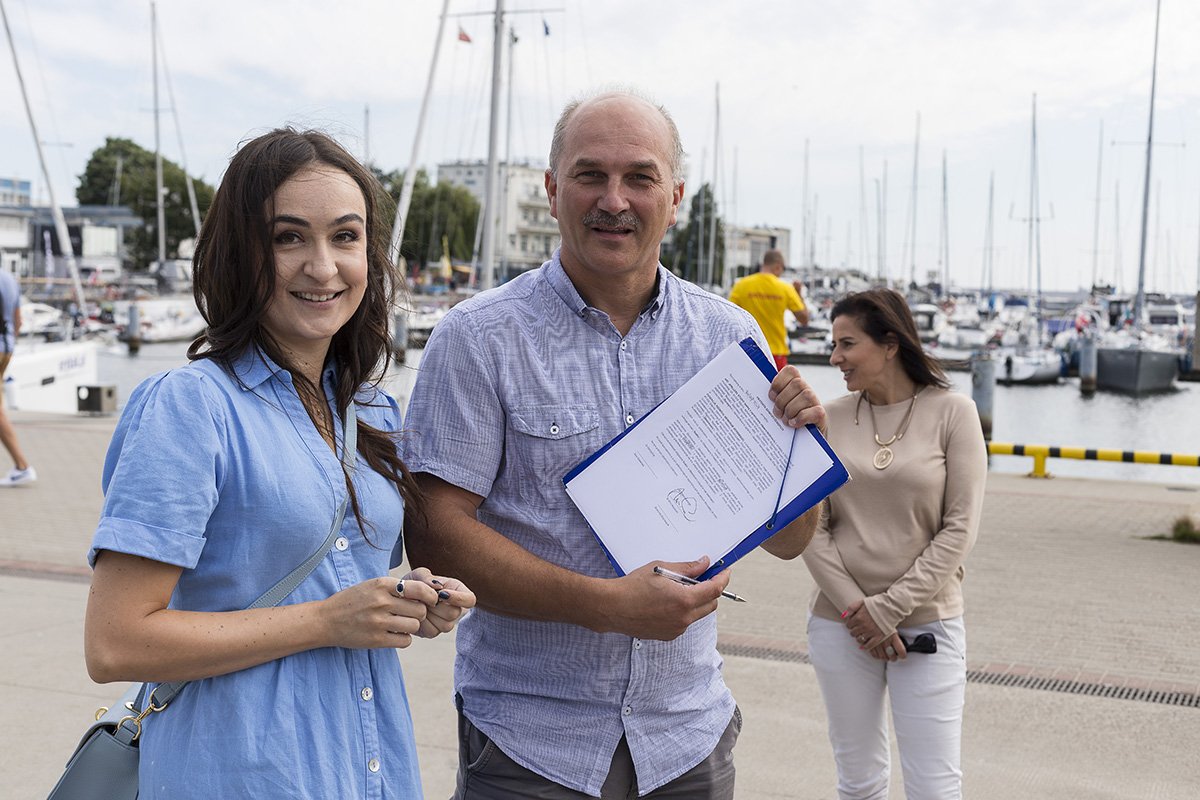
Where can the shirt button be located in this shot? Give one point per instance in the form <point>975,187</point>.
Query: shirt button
<point>629,419</point>
<point>373,765</point>
<point>624,344</point>
<point>554,429</point>
<point>367,693</point>
<point>637,644</point>
<point>342,543</point>
<point>627,710</point>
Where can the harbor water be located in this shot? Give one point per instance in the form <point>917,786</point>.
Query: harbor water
<point>1056,415</point>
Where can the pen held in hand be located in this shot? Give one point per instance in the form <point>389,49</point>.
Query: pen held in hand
<point>684,579</point>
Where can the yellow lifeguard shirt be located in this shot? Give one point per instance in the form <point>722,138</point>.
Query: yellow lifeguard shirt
<point>766,297</point>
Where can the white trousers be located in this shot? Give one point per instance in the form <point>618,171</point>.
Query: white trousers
<point>927,693</point>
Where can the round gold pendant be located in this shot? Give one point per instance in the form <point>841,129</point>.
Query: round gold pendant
<point>883,457</point>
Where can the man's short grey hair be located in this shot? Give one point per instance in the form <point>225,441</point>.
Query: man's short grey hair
<point>558,141</point>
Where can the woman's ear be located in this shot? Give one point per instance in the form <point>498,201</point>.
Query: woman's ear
<point>891,345</point>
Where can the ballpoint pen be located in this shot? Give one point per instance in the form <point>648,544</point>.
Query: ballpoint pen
<point>684,579</point>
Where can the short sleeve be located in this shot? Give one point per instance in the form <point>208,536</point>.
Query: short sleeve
<point>455,426</point>
<point>163,471</point>
<point>794,303</point>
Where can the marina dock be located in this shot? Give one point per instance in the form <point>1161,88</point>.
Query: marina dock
<point>1083,658</point>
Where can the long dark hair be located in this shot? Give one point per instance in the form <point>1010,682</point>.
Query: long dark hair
<point>884,315</point>
<point>233,274</point>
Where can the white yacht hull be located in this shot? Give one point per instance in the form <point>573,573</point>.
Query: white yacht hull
<point>47,376</point>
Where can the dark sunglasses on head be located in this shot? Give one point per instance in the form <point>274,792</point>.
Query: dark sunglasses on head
<point>925,643</point>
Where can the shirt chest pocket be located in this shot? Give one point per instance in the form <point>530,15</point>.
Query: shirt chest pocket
<point>547,442</point>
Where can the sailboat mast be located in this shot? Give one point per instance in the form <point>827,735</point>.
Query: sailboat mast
<point>60,222</point>
<point>1096,224</point>
<point>1032,203</point>
<point>489,227</point>
<point>700,225</point>
<point>506,184</point>
<point>158,167</point>
<point>944,250</point>
<point>985,281</point>
<point>410,177</point>
<point>1140,297</point>
<point>187,176</point>
<point>804,257</point>
<point>712,229</point>
<point>916,159</point>
<point>883,268</point>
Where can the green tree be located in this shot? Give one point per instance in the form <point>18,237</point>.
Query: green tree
<point>684,255</point>
<point>435,211</point>
<point>137,192</point>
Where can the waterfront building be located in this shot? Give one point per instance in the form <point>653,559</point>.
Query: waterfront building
<point>526,234</point>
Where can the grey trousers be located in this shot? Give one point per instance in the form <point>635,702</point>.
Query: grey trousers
<point>485,772</point>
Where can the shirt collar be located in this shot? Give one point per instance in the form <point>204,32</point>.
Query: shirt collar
<point>559,281</point>
<point>254,367</point>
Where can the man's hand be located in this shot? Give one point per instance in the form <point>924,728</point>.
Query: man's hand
<point>649,606</point>
<point>796,403</point>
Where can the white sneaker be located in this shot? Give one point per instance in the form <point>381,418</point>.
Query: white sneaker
<point>19,477</point>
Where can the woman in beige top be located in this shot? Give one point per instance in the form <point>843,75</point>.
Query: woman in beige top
<point>886,620</point>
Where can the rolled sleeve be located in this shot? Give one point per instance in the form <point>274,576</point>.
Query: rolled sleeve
<point>455,418</point>
<point>169,438</point>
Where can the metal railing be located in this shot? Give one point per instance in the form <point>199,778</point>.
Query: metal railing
<point>1040,452</point>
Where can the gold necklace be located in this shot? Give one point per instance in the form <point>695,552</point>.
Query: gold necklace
<point>884,455</point>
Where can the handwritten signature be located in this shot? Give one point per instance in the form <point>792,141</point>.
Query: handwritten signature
<point>682,503</point>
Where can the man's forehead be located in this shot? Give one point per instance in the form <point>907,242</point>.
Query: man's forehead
<point>641,163</point>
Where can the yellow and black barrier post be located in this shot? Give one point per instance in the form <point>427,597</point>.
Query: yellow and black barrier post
<point>1040,452</point>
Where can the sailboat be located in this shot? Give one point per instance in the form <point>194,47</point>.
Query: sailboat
<point>1134,360</point>
<point>1033,363</point>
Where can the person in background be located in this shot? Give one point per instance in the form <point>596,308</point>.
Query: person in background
<point>572,682</point>
<point>766,296</point>
<point>886,621</point>
<point>226,474</point>
<point>22,471</point>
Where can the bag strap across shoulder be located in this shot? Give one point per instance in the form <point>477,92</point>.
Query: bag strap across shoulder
<point>164,693</point>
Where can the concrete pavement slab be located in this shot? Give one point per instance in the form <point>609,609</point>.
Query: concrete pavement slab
<point>1062,583</point>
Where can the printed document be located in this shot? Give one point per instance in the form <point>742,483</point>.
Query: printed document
<point>701,474</point>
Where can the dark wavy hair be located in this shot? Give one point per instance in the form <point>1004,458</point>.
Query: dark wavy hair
<point>233,273</point>
<point>884,315</point>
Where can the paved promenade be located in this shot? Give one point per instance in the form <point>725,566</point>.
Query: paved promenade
<point>1064,591</point>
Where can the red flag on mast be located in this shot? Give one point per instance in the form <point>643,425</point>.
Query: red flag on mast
<point>462,35</point>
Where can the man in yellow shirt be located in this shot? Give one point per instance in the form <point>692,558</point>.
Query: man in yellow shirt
<point>766,297</point>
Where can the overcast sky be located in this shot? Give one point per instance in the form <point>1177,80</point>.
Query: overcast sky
<point>844,76</point>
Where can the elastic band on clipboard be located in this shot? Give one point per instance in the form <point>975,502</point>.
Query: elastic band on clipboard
<point>783,481</point>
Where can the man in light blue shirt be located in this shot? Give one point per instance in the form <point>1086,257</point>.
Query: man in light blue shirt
<point>571,681</point>
<point>10,326</point>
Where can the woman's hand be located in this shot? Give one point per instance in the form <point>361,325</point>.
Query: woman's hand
<point>381,612</point>
<point>862,627</point>
<point>452,598</point>
<point>892,649</point>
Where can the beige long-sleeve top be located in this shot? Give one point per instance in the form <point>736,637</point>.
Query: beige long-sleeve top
<point>898,536</point>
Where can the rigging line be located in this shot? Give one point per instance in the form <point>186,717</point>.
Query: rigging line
<point>583,46</point>
<point>446,89</point>
<point>187,176</point>
<point>64,169</point>
<point>551,96</point>
<point>450,114</point>
<point>479,80</point>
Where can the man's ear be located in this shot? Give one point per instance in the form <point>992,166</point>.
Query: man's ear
<point>552,192</point>
<point>676,199</point>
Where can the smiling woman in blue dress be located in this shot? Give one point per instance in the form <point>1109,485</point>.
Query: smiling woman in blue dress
<point>226,474</point>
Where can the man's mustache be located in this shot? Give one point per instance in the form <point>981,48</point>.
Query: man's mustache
<point>602,219</point>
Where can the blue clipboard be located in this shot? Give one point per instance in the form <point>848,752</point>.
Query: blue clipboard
<point>828,482</point>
